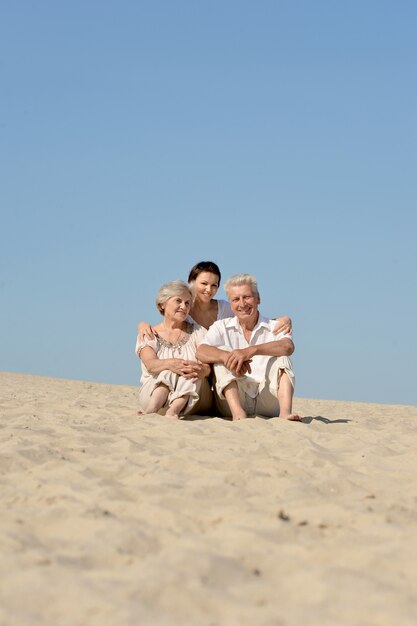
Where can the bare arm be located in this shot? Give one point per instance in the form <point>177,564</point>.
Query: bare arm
<point>238,361</point>
<point>211,354</point>
<point>281,347</point>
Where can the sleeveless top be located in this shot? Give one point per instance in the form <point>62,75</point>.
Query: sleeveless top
<point>223,310</point>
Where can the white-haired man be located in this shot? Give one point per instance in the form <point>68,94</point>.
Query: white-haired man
<point>252,368</point>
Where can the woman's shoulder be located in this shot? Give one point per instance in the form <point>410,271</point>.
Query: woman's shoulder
<point>197,332</point>
<point>194,327</point>
<point>146,342</point>
<point>224,309</point>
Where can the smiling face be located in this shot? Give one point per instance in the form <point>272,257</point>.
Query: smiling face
<point>244,303</point>
<point>205,286</point>
<point>177,308</point>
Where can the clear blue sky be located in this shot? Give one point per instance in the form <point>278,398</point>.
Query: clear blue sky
<point>275,137</point>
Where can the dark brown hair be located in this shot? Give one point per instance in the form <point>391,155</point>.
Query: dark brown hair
<point>204,266</point>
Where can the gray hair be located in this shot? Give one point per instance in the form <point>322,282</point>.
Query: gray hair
<point>242,279</point>
<point>167,291</point>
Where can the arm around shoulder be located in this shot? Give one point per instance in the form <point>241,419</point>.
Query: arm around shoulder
<point>145,331</point>
<point>281,347</point>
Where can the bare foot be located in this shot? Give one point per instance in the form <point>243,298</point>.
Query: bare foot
<point>176,407</point>
<point>293,417</point>
<point>239,416</point>
<point>174,410</point>
<point>172,415</point>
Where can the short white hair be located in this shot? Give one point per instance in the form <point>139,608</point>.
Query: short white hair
<point>242,279</point>
<point>167,291</point>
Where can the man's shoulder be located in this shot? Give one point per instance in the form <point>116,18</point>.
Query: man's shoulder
<point>223,323</point>
<point>265,330</point>
<point>263,320</point>
<point>264,323</point>
<point>218,327</point>
<point>218,331</point>
<point>267,327</point>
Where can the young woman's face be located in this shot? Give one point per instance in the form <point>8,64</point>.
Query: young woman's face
<point>178,307</point>
<point>205,286</point>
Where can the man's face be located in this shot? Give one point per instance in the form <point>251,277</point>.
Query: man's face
<point>243,302</point>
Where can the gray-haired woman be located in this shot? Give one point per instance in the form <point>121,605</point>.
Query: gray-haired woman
<point>173,380</point>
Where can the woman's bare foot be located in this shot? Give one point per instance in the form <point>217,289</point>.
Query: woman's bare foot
<point>172,415</point>
<point>176,407</point>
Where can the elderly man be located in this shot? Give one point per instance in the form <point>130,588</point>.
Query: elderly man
<point>251,365</point>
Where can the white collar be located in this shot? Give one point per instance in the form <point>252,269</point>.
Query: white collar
<point>233,322</point>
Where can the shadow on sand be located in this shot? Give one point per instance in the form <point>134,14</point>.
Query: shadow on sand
<point>304,420</point>
<point>324,420</point>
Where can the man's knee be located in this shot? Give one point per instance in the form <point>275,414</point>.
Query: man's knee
<point>223,377</point>
<point>277,367</point>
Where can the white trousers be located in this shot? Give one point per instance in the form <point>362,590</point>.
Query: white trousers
<point>265,400</point>
<point>199,394</point>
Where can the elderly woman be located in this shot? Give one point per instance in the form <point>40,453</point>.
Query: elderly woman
<point>173,380</point>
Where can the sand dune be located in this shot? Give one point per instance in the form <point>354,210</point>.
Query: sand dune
<point>109,519</point>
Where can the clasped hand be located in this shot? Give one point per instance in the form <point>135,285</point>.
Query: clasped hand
<point>238,361</point>
<point>192,370</point>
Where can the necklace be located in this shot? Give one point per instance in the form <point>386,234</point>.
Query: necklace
<point>173,342</point>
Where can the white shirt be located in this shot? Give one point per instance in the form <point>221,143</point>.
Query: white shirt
<point>228,332</point>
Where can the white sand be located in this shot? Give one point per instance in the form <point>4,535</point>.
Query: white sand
<point>108,519</point>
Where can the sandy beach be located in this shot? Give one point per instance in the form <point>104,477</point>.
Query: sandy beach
<point>109,519</point>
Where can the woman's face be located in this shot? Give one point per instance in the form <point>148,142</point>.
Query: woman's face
<point>178,307</point>
<point>205,286</point>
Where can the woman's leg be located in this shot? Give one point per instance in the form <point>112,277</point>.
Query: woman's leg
<point>203,405</point>
<point>176,407</point>
<point>157,400</point>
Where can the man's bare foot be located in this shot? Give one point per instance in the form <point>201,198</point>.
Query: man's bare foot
<point>293,417</point>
